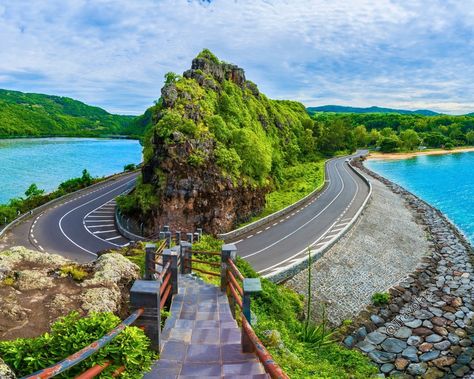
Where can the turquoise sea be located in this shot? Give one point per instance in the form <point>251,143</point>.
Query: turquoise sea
<point>444,181</point>
<point>50,161</point>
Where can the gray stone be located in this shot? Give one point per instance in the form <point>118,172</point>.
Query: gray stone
<point>376,338</point>
<point>429,356</point>
<point>414,323</point>
<point>403,333</point>
<point>377,320</point>
<point>417,368</point>
<point>449,316</point>
<point>464,359</point>
<point>433,338</point>
<point>393,345</point>
<point>423,314</point>
<point>349,341</point>
<point>453,338</point>
<point>361,332</point>
<point>465,342</point>
<point>365,346</point>
<point>410,353</point>
<point>460,370</point>
<point>381,356</point>
<point>414,340</point>
<point>443,345</point>
<point>387,367</point>
<point>427,324</point>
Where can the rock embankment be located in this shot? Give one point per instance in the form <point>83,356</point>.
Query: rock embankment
<point>426,329</point>
<point>37,288</point>
<point>384,244</point>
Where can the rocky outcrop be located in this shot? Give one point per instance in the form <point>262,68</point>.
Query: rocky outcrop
<point>193,197</point>
<point>35,289</point>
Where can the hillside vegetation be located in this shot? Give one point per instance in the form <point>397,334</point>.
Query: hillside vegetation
<point>218,146</point>
<point>401,132</point>
<point>345,109</point>
<point>36,115</point>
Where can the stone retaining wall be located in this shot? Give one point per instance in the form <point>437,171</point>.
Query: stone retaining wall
<point>426,329</point>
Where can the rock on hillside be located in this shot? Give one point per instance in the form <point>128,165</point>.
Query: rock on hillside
<point>37,288</point>
<point>216,149</point>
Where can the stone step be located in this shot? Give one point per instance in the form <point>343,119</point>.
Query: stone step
<point>201,339</point>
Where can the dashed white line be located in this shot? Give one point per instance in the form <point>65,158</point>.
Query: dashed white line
<point>113,238</point>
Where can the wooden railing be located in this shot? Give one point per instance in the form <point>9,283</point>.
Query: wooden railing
<point>86,352</point>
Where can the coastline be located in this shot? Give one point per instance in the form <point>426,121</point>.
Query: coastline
<point>397,156</point>
<point>429,318</point>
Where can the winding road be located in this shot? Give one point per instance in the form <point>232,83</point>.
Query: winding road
<point>285,241</point>
<point>78,227</point>
<point>83,224</point>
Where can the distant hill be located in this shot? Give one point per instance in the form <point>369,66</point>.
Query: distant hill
<point>343,109</point>
<point>36,115</point>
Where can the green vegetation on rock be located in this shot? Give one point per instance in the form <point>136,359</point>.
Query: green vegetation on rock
<point>38,115</point>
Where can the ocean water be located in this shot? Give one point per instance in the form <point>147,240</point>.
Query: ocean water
<point>50,161</point>
<point>444,181</point>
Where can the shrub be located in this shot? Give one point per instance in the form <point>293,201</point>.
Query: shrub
<point>379,299</point>
<point>70,334</point>
<point>129,167</point>
<point>74,271</point>
<point>8,281</point>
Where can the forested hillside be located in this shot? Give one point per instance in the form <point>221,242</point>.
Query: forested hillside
<point>345,109</point>
<point>35,115</point>
<point>397,132</point>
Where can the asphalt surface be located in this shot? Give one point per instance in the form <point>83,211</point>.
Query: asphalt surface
<point>78,227</point>
<point>283,241</point>
<point>83,224</point>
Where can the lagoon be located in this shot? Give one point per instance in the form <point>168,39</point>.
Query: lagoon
<point>444,181</point>
<point>50,161</point>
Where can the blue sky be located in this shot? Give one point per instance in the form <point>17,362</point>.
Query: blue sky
<point>114,53</point>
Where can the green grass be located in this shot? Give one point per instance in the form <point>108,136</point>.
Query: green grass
<point>298,181</point>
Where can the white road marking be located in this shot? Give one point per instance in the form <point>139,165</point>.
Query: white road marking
<point>82,205</point>
<point>236,242</point>
<point>100,226</point>
<point>40,247</point>
<point>113,238</point>
<point>250,236</point>
<point>105,231</point>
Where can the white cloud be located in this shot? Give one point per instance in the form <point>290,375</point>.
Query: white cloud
<point>114,53</point>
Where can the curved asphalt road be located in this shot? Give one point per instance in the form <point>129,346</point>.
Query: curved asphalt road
<point>78,227</point>
<point>285,241</point>
<point>83,224</point>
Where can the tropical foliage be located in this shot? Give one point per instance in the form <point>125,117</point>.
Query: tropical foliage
<point>392,132</point>
<point>37,115</point>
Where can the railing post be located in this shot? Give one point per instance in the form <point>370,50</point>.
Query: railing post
<point>166,228</point>
<point>150,249</point>
<point>170,255</point>
<point>189,237</point>
<point>161,236</point>
<point>228,251</point>
<point>186,257</point>
<point>178,237</point>
<point>146,294</point>
<point>168,239</point>
<point>250,286</point>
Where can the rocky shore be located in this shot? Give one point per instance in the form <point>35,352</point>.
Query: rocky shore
<point>426,329</point>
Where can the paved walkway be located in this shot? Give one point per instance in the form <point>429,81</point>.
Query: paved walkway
<point>201,339</point>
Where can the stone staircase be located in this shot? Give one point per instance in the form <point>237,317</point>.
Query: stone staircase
<point>201,339</point>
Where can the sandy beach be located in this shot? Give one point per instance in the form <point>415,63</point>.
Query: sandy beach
<point>377,155</point>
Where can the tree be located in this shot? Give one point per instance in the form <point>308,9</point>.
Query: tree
<point>410,139</point>
<point>361,136</point>
<point>470,137</point>
<point>374,137</point>
<point>33,191</point>
<point>389,144</point>
<point>86,178</point>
